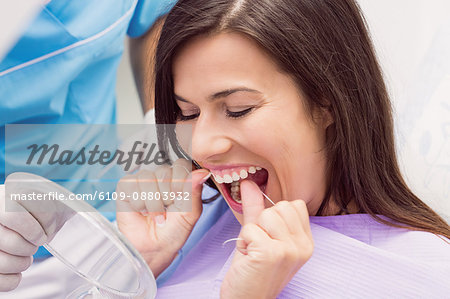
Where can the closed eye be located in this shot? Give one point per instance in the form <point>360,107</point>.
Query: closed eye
<point>238,114</point>
<point>182,117</point>
<point>230,114</point>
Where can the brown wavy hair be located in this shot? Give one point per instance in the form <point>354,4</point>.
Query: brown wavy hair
<point>325,47</point>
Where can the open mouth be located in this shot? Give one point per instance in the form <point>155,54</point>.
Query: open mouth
<point>229,181</point>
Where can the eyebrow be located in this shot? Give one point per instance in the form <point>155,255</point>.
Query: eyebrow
<point>222,94</point>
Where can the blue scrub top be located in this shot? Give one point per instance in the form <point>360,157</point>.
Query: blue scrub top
<point>63,69</point>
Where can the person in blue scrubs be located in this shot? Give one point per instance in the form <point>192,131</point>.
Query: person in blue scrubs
<point>63,69</point>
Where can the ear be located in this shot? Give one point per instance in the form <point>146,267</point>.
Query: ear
<point>323,116</point>
<point>327,116</point>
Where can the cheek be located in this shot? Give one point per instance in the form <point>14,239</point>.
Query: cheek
<point>295,149</point>
<point>277,139</point>
<point>307,171</point>
<point>259,137</point>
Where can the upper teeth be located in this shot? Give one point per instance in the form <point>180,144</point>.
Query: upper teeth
<point>235,176</point>
<point>227,178</point>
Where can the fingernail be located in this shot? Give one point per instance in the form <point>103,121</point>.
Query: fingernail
<point>160,220</point>
<point>206,178</point>
<point>144,212</point>
<point>173,166</point>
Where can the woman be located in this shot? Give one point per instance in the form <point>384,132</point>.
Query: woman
<point>287,105</point>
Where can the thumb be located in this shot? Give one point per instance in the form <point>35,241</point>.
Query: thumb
<point>252,201</point>
<point>199,176</point>
<point>195,187</point>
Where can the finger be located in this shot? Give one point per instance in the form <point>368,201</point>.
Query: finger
<point>136,141</point>
<point>192,191</point>
<point>180,170</point>
<point>52,220</point>
<point>199,177</point>
<point>24,224</point>
<point>250,238</point>
<point>241,246</point>
<point>9,282</point>
<point>272,223</point>
<point>302,212</point>
<point>287,212</point>
<point>252,201</point>
<point>123,203</point>
<point>12,264</point>
<point>126,215</point>
<point>50,214</point>
<point>13,243</point>
<point>164,176</point>
<point>148,184</point>
<point>20,221</point>
<point>130,187</point>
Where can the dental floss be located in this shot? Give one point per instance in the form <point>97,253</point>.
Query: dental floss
<point>229,240</point>
<point>267,198</point>
<point>207,177</point>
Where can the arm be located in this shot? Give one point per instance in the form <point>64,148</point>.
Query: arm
<point>142,54</point>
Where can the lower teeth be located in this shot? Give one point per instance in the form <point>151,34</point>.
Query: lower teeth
<point>237,198</point>
<point>235,191</point>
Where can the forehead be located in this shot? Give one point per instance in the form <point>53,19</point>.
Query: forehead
<point>217,62</point>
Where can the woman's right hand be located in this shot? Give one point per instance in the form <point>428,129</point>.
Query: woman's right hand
<point>159,228</point>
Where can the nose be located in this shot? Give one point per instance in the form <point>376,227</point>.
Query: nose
<point>209,139</point>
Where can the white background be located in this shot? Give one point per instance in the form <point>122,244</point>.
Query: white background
<point>412,40</point>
